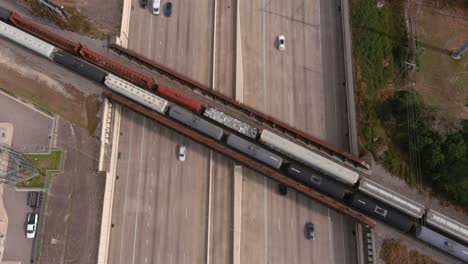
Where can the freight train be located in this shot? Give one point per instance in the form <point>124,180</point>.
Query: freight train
<point>268,147</point>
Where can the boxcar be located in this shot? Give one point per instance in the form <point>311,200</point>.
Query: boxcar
<point>310,158</point>
<point>391,198</point>
<point>254,151</point>
<point>136,93</point>
<point>179,98</point>
<point>382,211</point>
<point>314,179</point>
<point>79,66</point>
<point>4,14</point>
<point>28,41</point>
<point>195,122</point>
<point>443,243</point>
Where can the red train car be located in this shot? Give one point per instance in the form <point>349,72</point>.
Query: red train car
<point>179,98</point>
<point>117,68</point>
<point>44,34</point>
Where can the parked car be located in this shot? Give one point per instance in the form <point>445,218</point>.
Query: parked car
<point>182,150</point>
<point>168,9</point>
<point>156,7</point>
<point>144,3</point>
<point>310,231</point>
<point>31,226</point>
<point>281,42</point>
<point>33,199</point>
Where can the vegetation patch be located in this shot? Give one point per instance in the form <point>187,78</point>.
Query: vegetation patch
<point>410,133</point>
<point>74,21</point>
<point>48,164</point>
<point>379,39</point>
<point>394,252</point>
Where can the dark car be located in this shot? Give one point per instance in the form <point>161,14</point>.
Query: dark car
<point>310,231</point>
<point>144,3</point>
<point>168,9</point>
<point>283,189</point>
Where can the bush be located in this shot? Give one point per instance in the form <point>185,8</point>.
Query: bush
<point>443,159</point>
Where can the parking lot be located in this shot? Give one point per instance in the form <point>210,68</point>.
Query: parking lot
<point>31,133</point>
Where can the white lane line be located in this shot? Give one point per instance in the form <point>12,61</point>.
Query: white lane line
<point>126,186</point>
<point>138,190</point>
<point>330,235</point>
<point>343,240</point>
<point>210,189</point>
<point>264,58</point>
<point>149,39</point>
<point>332,30</point>
<point>265,217</point>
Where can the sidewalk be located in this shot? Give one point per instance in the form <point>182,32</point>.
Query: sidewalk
<point>6,135</point>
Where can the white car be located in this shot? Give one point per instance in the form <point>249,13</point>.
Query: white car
<point>281,42</point>
<point>31,225</point>
<point>182,150</point>
<point>156,7</point>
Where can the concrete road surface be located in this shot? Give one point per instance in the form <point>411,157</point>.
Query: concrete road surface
<point>182,42</point>
<point>31,128</point>
<point>160,206</point>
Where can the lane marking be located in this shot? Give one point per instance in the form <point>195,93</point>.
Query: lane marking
<point>138,190</point>
<point>126,184</point>
<point>330,234</point>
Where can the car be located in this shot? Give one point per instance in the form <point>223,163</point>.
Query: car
<point>31,225</point>
<point>181,155</point>
<point>168,9</point>
<point>310,231</point>
<point>281,42</point>
<point>156,7</point>
<point>283,189</point>
<point>144,3</point>
<point>33,199</point>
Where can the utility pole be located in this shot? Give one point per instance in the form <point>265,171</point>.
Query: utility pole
<point>15,166</point>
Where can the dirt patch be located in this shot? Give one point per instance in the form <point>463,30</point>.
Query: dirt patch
<point>442,81</point>
<point>62,99</point>
<point>104,15</point>
<point>394,252</point>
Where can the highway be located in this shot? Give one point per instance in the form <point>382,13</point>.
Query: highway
<point>161,208</point>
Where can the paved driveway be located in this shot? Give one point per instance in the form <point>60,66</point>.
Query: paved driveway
<point>31,128</point>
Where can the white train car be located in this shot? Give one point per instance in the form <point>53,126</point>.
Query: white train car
<point>136,93</point>
<point>391,198</point>
<point>27,40</point>
<point>310,158</point>
<point>447,225</point>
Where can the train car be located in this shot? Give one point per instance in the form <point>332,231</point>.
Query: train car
<point>447,225</point>
<point>195,122</point>
<point>26,40</point>
<point>231,122</point>
<point>391,198</point>
<point>254,151</point>
<point>136,93</point>
<point>314,179</point>
<point>308,157</point>
<point>179,98</point>
<point>382,211</point>
<point>443,243</point>
<point>79,66</point>
<point>4,14</point>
